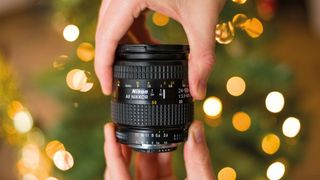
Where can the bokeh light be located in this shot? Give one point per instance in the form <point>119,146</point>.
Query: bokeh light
<point>76,79</point>
<point>227,173</point>
<point>239,1</point>
<point>36,136</point>
<point>54,146</point>
<point>60,62</point>
<point>212,107</point>
<point>224,33</point>
<point>270,143</point>
<point>239,20</point>
<point>13,108</point>
<point>31,156</point>
<point>253,27</point>
<point>85,52</point>
<point>236,86</point>
<point>291,127</point>
<point>276,171</point>
<point>241,121</point>
<point>160,19</point>
<point>63,160</point>
<point>71,33</point>
<point>29,176</point>
<point>274,102</point>
<point>23,121</point>
<point>51,178</point>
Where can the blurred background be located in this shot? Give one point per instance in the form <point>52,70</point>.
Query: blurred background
<point>261,111</point>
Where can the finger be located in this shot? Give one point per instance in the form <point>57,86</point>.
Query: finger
<point>165,166</point>
<point>115,19</point>
<point>116,164</point>
<point>196,154</point>
<point>126,153</point>
<point>146,166</point>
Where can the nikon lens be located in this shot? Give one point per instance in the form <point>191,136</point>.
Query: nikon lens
<point>151,104</point>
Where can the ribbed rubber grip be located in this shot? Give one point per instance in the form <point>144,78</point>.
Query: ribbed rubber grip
<point>149,72</point>
<point>152,115</point>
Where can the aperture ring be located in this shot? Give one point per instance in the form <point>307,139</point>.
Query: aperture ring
<point>152,115</point>
<point>150,72</point>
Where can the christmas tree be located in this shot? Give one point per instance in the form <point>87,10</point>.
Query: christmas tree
<point>252,121</point>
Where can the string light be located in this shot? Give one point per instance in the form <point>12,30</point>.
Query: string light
<point>270,143</point>
<point>76,79</point>
<point>85,52</point>
<point>212,107</point>
<point>239,1</point>
<point>63,160</point>
<point>276,171</point>
<point>224,33</point>
<point>253,27</point>
<point>274,102</point>
<point>241,121</point>
<point>227,173</point>
<point>291,127</point>
<point>236,86</point>
<point>54,146</point>
<point>71,33</point>
<point>23,121</point>
<point>160,19</point>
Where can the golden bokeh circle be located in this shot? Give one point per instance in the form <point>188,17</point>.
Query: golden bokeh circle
<point>241,121</point>
<point>236,86</point>
<point>212,107</point>
<point>160,19</point>
<point>253,27</point>
<point>85,52</point>
<point>227,173</point>
<point>270,143</point>
<point>54,146</point>
<point>224,33</point>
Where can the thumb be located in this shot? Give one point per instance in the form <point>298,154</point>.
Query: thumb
<point>196,154</point>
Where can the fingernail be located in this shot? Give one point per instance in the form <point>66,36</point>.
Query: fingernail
<point>198,135</point>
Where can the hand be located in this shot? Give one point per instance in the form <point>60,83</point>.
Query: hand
<point>158,166</point>
<point>198,19</point>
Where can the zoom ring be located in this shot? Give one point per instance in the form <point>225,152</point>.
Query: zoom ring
<point>152,115</point>
<point>149,72</point>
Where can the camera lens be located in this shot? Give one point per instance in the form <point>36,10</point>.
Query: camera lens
<point>151,104</point>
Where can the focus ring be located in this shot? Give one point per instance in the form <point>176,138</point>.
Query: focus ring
<point>149,72</point>
<point>152,115</point>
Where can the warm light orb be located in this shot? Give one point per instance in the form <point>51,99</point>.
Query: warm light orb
<point>212,106</point>
<point>270,143</point>
<point>23,121</point>
<point>71,33</point>
<point>274,102</point>
<point>239,1</point>
<point>63,160</point>
<point>227,173</point>
<point>54,146</point>
<point>85,52</point>
<point>253,27</point>
<point>291,127</point>
<point>29,176</point>
<point>31,156</point>
<point>241,121</point>
<point>224,33</point>
<point>13,108</point>
<point>236,86</point>
<point>276,171</point>
<point>160,19</point>
<point>76,79</point>
<point>51,178</point>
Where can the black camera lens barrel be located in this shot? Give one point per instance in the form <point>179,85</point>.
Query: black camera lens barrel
<point>151,103</point>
